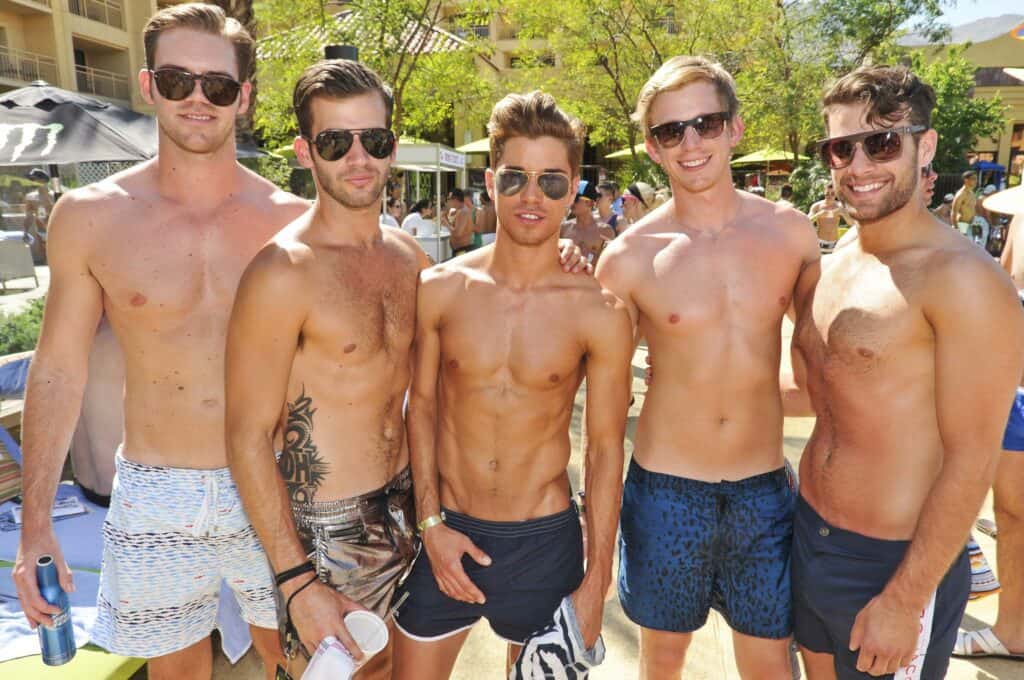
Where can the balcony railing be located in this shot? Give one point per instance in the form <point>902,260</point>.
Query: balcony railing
<point>26,66</point>
<point>103,83</point>
<point>109,12</point>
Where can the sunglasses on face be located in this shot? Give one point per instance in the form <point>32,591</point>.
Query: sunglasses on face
<point>880,146</point>
<point>334,144</point>
<point>176,84</point>
<point>509,182</point>
<point>708,126</point>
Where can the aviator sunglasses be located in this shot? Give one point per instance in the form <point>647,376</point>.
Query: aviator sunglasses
<point>880,146</point>
<point>509,182</point>
<point>177,84</point>
<point>708,126</point>
<point>333,144</point>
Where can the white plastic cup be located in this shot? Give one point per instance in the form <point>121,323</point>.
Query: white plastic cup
<point>368,630</point>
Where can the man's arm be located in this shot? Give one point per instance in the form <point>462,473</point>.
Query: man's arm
<point>53,395</point>
<point>609,377</point>
<point>979,332</point>
<point>796,402</point>
<point>270,308</point>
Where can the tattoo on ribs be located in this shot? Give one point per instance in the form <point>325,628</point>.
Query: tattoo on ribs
<point>301,465</point>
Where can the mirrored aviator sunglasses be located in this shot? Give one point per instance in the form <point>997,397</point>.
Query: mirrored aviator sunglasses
<point>708,126</point>
<point>334,144</point>
<point>509,182</point>
<point>880,146</point>
<point>174,84</point>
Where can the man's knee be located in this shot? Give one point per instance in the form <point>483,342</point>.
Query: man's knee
<point>192,663</point>
<point>663,650</point>
<point>1008,500</point>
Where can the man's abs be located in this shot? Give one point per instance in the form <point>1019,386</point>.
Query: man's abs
<point>710,431</point>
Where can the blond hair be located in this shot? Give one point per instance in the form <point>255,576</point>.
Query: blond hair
<point>534,115</point>
<point>205,18</point>
<point>679,72</point>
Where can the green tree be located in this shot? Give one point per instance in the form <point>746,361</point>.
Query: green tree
<point>959,118</point>
<point>868,29</point>
<point>606,50</point>
<point>433,73</point>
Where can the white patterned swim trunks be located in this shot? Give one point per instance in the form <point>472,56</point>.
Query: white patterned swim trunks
<point>170,537</point>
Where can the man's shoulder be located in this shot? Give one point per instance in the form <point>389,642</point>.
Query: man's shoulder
<point>269,197</point>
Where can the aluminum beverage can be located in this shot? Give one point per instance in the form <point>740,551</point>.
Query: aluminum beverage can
<point>57,642</point>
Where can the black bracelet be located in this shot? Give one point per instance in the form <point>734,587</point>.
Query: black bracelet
<point>288,604</point>
<point>289,574</point>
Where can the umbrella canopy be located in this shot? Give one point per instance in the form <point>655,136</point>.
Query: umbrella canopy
<point>41,124</point>
<point>478,146</point>
<point>625,153</point>
<point>766,156</point>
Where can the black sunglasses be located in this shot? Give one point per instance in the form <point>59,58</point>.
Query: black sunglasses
<point>708,126</point>
<point>334,144</point>
<point>509,182</point>
<point>176,84</point>
<point>880,146</point>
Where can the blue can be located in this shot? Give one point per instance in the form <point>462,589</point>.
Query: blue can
<point>57,641</point>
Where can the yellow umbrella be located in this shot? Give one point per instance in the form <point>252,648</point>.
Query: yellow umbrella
<point>478,146</point>
<point>625,153</point>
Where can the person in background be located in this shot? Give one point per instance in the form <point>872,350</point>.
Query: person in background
<point>786,196</point>
<point>420,220</point>
<point>392,213</point>
<point>460,220</point>
<point>964,203</point>
<point>586,232</point>
<point>38,206</point>
<point>486,220</point>
<point>945,209</point>
<point>636,202</point>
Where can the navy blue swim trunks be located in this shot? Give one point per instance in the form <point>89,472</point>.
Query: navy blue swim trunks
<point>837,572</point>
<point>686,546</point>
<point>1013,438</point>
<point>534,564</point>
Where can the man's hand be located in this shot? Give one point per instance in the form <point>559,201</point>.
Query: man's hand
<point>445,548</point>
<point>318,612</point>
<point>571,257</point>
<point>588,601</point>
<point>886,635</point>
<point>33,545</point>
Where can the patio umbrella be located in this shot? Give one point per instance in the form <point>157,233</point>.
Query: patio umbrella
<point>477,146</point>
<point>45,125</point>
<point>765,156</point>
<point>625,153</point>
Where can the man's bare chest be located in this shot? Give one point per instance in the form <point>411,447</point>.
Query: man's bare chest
<point>692,288</point>
<point>362,310</point>
<point>858,320</point>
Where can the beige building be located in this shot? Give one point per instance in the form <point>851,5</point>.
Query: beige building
<point>998,54</point>
<point>89,46</point>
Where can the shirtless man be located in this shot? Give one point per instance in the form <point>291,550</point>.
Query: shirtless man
<point>317,353</point>
<point>460,217</point>
<point>503,340</point>
<point>825,216</point>
<point>585,231</point>
<point>907,434</point>
<point>1006,637</point>
<point>707,507</point>
<point>964,203</point>
<point>159,248</point>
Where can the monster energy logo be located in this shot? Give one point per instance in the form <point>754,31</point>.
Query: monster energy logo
<point>28,133</point>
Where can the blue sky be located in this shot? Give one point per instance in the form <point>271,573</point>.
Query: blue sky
<point>969,10</point>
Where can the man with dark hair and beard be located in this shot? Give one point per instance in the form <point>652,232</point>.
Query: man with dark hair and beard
<point>910,347</point>
<point>318,362</point>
